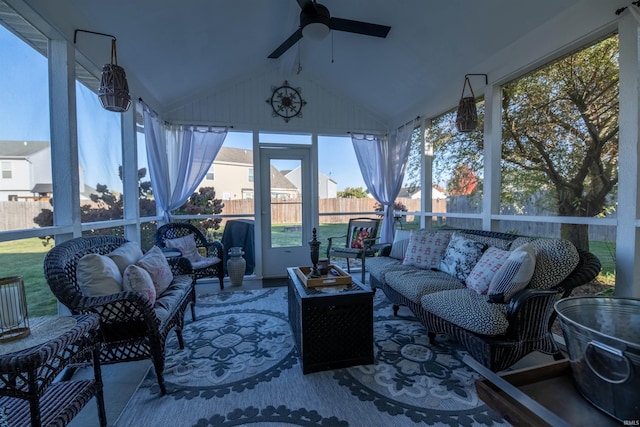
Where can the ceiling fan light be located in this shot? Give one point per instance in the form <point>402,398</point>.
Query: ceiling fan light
<point>315,31</point>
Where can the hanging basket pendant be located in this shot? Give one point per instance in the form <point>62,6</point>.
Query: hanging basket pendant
<point>467,118</point>
<point>114,89</point>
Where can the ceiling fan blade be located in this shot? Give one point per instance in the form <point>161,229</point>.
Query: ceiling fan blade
<point>359,27</point>
<point>303,3</point>
<point>293,39</point>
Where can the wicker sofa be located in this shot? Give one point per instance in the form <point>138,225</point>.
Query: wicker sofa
<point>132,327</point>
<point>496,333</point>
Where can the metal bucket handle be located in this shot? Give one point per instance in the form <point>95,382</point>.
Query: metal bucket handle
<point>618,353</point>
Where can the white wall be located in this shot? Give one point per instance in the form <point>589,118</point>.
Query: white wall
<point>242,104</point>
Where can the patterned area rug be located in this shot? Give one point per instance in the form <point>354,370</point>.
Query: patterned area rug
<point>239,368</point>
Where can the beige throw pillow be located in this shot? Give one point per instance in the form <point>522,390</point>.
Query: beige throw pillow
<point>125,255</point>
<point>98,275</point>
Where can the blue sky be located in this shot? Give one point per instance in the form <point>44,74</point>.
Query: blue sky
<point>24,115</point>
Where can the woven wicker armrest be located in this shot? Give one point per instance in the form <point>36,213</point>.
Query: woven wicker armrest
<point>214,249</point>
<point>120,307</point>
<point>180,266</point>
<point>588,269</point>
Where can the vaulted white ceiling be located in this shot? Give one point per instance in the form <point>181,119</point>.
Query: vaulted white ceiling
<point>173,50</point>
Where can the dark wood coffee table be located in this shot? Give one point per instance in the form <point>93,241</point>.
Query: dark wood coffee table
<point>332,326</point>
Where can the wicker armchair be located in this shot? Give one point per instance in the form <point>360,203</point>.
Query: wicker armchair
<point>175,230</point>
<point>131,329</point>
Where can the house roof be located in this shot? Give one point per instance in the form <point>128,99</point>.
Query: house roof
<point>234,155</point>
<point>21,148</point>
<point>173,51</point>
<point>279,181</point>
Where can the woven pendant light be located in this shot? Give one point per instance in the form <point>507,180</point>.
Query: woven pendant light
<point>114,89</point>
<point>467,117</point>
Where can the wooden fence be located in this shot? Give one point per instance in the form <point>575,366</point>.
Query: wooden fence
<point>20,215</point>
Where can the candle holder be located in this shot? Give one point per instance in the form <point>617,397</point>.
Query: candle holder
<point>315,255</point>
<point>14,321</point>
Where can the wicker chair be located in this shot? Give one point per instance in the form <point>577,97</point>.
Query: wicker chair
<point>131,329</point>
<point>175,230</point>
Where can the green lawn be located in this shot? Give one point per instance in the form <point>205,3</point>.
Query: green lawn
<point>26,258</point>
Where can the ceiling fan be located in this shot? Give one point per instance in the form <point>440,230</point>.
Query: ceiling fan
<point>315,23</point>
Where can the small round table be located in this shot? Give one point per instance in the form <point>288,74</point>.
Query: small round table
<point>28,367</point>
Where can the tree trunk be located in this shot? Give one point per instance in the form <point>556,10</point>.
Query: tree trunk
<point>578,234</point>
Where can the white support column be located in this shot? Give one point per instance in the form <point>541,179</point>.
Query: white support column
<point>64,140</point>
<point>426,173</point>
<point>628,237</point>
<point>131,198</point>
<point>492,155</point>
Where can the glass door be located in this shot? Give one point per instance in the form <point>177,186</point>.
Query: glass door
<point>286,213</point>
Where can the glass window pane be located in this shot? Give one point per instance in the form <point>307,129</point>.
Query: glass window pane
<point>100,158</point>
<point>286,205</point>
<point>458,167</point>
<point>25,151</point>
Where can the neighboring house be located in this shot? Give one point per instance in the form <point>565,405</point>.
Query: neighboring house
<point>231,175</point>
<point>327,187</point>
<point>25,172</point>
<point>24,165</point>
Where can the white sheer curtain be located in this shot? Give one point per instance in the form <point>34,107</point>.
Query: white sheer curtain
<point>382,161</point>
<point>179,157</point>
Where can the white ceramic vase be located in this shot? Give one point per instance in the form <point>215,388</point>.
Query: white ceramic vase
<point>236,266</point>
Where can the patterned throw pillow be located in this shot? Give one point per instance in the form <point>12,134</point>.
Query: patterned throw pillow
<point>514,275</point>
<point>555,260</point>
<point>486,268</point>
<point>358,235</point>
<point>426,248</point>
<point>400,244</point>
<point>158,268</point>
<point>98,275</point>
<point>138,279</point>
<point>461,256</point>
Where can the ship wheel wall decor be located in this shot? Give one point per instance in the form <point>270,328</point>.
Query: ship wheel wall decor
<point>286,101</point>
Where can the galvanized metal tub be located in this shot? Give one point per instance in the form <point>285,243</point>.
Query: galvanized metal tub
<point>602,335</point>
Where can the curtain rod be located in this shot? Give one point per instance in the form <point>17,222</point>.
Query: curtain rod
<point>147,105</point>
<point>183,123</point>
<point>363,133</point>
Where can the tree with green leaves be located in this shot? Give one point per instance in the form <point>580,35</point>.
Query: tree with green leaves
<point>559,139</point>
<point>560,134</point>
<point>352,193</point>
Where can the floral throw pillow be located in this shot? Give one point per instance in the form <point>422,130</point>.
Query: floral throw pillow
<point>158,268</point>
<point>426,248</point>
<point>138,279</point>
<point>486,268</point>
<point>358,236</point>
<point>461,256</point>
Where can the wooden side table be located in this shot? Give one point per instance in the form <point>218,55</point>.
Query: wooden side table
<point>28,367</point>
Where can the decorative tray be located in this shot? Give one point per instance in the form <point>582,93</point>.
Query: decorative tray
<point>336,276</point>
